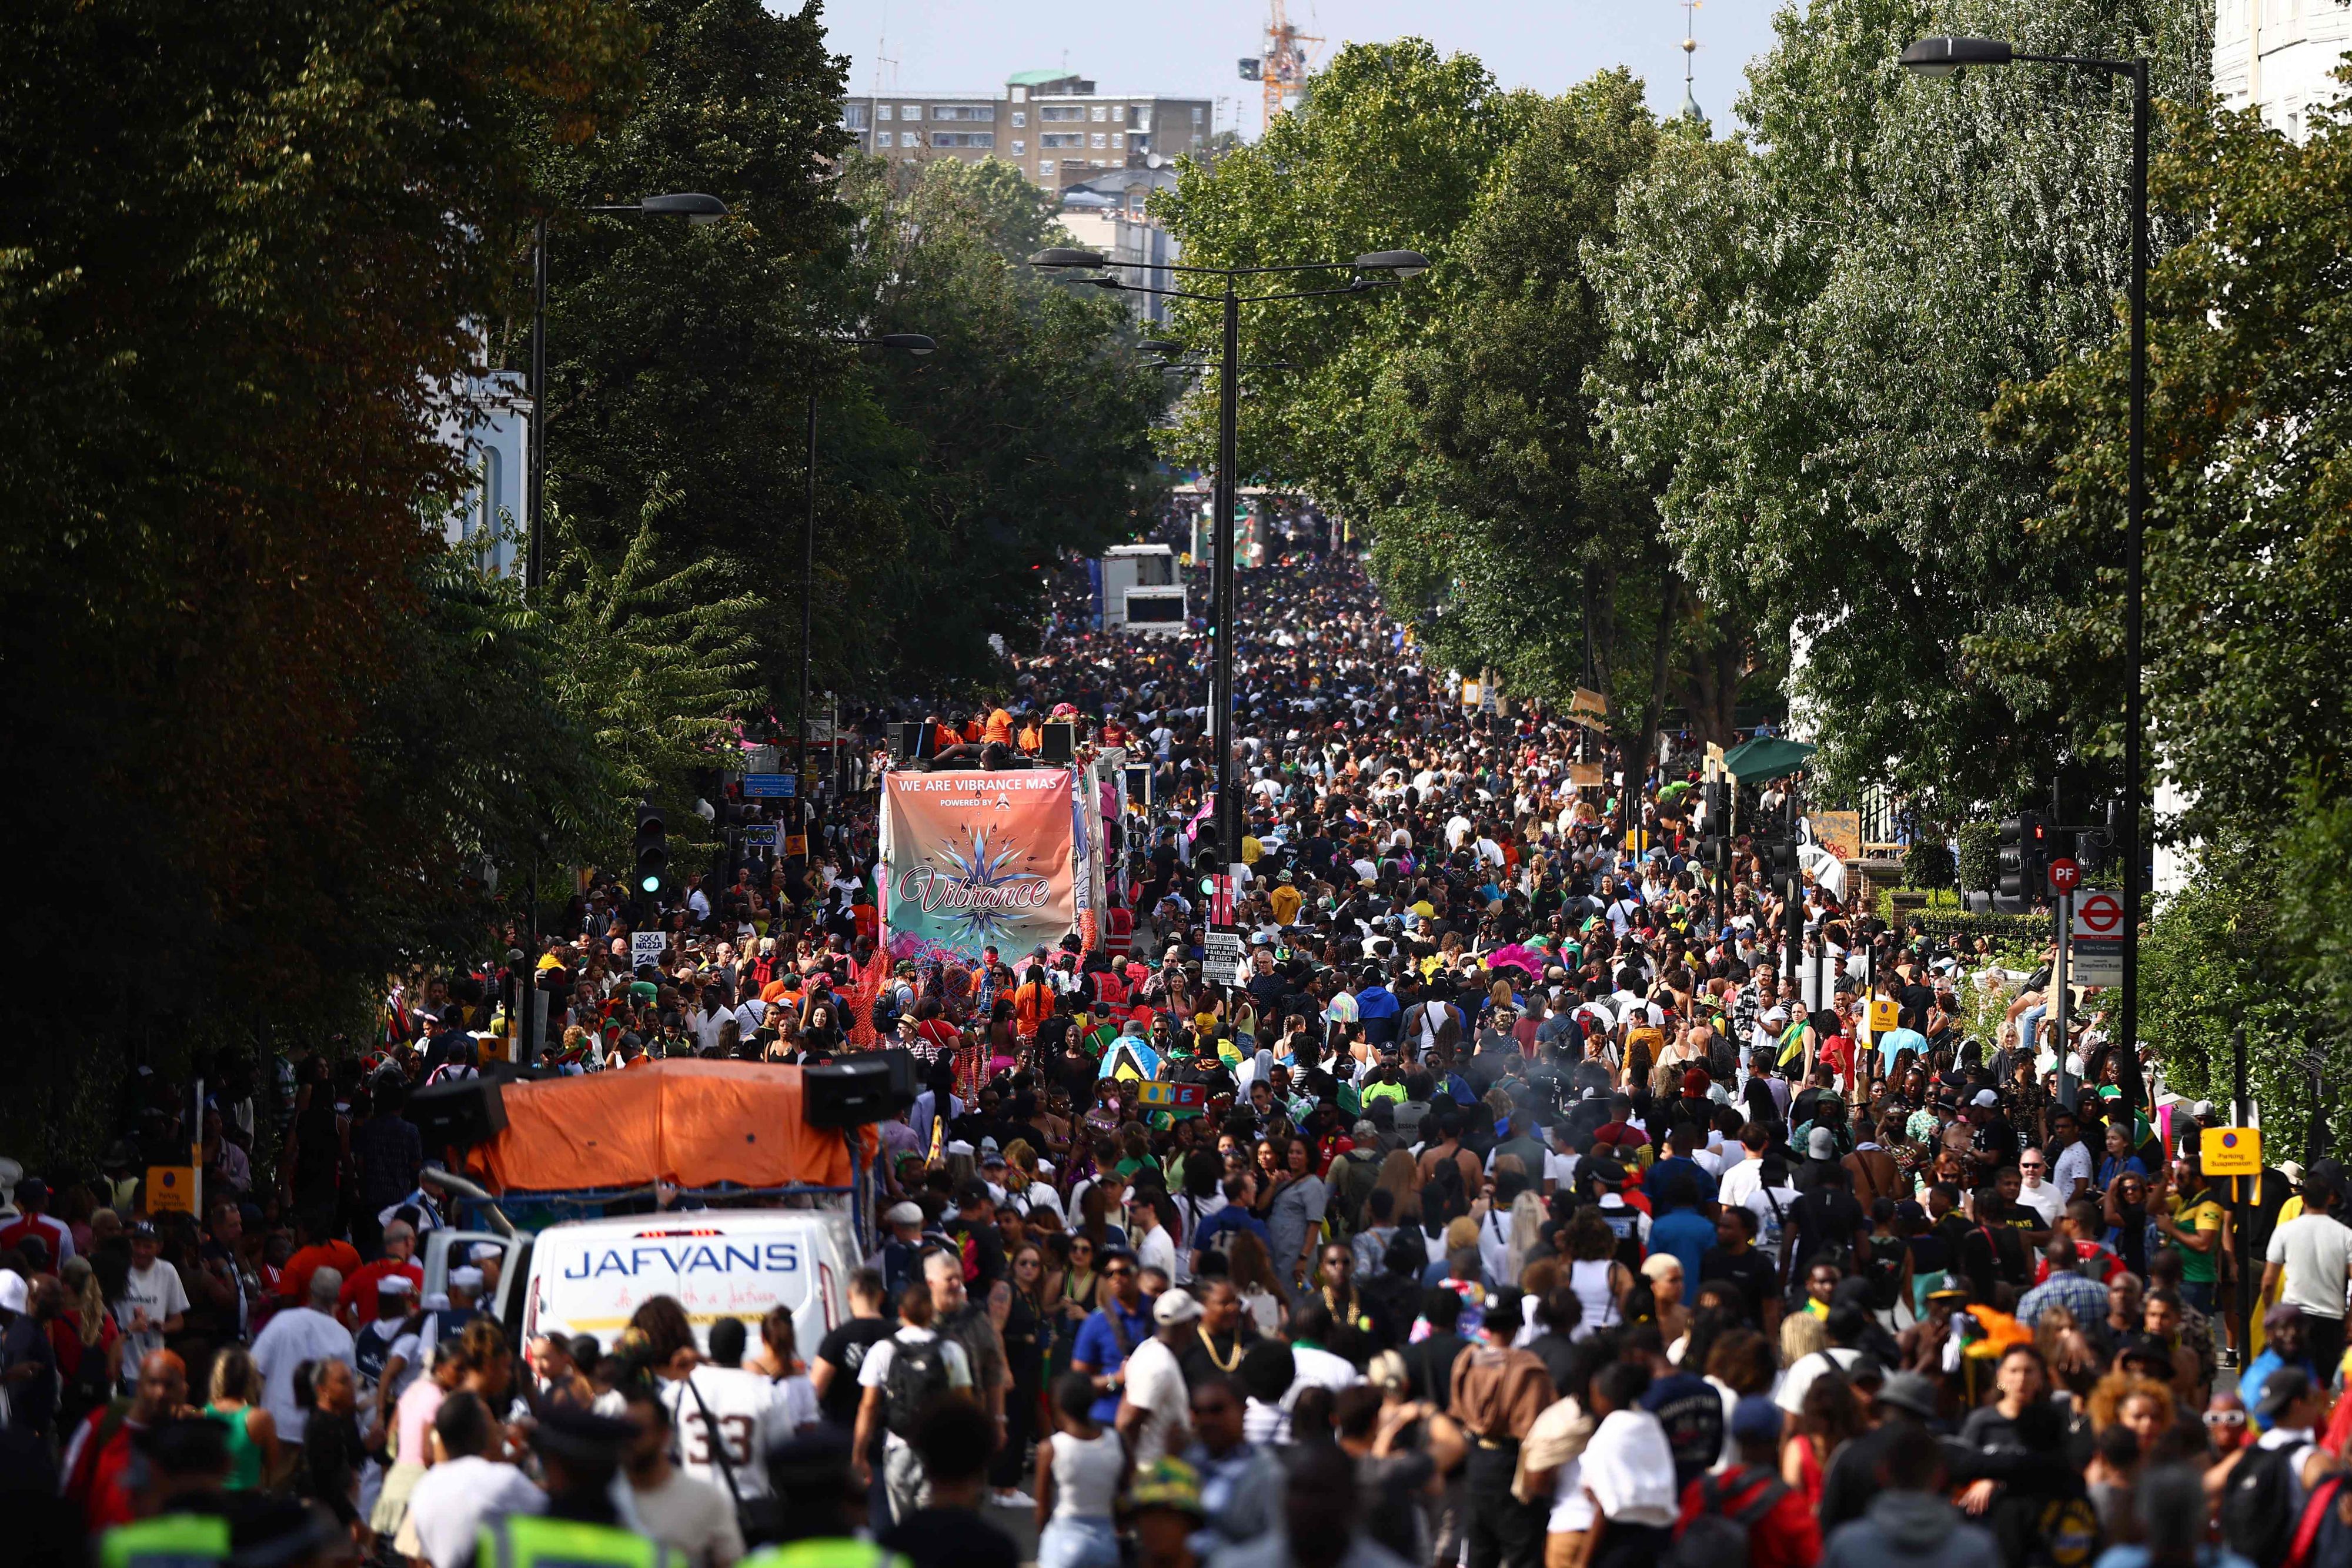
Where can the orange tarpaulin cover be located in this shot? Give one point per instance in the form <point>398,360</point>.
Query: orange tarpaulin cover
<point>689,1122</point>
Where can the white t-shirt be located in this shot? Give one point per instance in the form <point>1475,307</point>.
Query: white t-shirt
<point>2073,1160</point>
<point>2045,1201</point>
<point>1155,1385</point>
<point>873,1372</point>
<point>691,1517</point>
<point>1800,1377</point>
<point>2316,1254</point>
<point>1772,1207</point>
<point>294,1336</point>
<point>156,1291</point>
<point>1738,1182</point>
<point>1157,1250</point>
<point>455,1498</point>
<point>742,1410</point>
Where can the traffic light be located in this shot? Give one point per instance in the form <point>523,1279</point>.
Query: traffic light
<point>1780,857</point>
<point>2024,856</point>
<point>651,878</point>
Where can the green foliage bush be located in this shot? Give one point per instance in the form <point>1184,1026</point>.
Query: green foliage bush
<point>1927,864</point>
<point>1979,856</point>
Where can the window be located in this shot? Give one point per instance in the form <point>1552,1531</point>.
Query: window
<point>963,138</point>
<point>911,112</point>
<point>1118,139</point>
<point>1157,609</point>
<point>882,112</point>
<point>1063,138</point>
<point>1098,138</point>
<point>1020,95</point>
<point>1196,114</point>
<point>1020,118</point>
<point>1100,112</point>
<point>964,111</point>
<point>1019,147</point>
<point>1045,166</point>
<point>1053,111</point>
<point>882,138</point>
<point>1138,118</point>
<point>854,117</point>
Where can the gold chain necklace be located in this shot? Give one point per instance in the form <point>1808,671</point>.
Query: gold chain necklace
<point>1214,1360</point>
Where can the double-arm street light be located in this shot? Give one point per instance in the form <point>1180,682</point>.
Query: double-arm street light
<point>910,343</point>
<point>1943,56</point>
<point>1398,266</point>
<point>691,205</point>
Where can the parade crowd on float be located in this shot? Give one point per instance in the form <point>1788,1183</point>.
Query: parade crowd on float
<point>1516,1208</point>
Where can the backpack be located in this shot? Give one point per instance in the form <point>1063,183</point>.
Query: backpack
<point>2258,1519</point>
<point>884,1014</point>
<point>2323,1538</point>
<point>1716,1536</point>
<point>918,1374</point>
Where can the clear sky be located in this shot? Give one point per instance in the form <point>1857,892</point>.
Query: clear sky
<point>1190,47</point>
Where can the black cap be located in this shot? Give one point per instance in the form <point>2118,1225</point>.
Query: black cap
<point>2281,1388</point>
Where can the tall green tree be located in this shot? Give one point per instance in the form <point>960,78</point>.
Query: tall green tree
<point>241,253</point>
<point>1829,311</point>
<point>1388,150</point>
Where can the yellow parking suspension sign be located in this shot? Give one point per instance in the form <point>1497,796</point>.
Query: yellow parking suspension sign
<point>2231,1151</point>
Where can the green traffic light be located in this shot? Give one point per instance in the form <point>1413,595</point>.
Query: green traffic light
<point>651,885</point>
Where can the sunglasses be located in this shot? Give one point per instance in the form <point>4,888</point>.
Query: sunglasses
<point>2225,1418</point>
<point>1116,1271</point>
<point>1082,1251</point>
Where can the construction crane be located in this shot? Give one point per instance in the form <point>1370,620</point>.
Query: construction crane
<point>1282,69</point>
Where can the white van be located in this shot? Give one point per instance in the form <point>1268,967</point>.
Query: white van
<point>589,1276</point>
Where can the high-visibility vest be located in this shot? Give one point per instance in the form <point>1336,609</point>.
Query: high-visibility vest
<point>168,1541</point>
<point>824,1552</point>
<point>527,1540</point>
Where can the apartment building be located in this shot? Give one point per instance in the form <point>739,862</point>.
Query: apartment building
<point>1053,126</point>
<point>2280,55</point>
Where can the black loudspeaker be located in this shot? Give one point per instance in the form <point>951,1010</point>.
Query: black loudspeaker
<point>1061,743</point>
<point>511,1072</point>
<point>465,1111</point>
<point>846,1093</point>
<point>906,1079</point>
<point>907,741</point>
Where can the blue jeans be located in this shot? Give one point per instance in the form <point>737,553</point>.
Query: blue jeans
<point>2198,1293</point>
<point>2029,1024</point>
<point>1081,1542</point>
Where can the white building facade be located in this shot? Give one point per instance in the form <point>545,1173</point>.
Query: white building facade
<point>2280,55</point>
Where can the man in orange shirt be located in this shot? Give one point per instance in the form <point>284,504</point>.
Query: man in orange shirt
<point>319,1250</point>
<point>1000,729</point>
<point>1033,1003</point>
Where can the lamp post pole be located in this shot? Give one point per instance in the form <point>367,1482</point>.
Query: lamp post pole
<point>696,208</point>
<point>1945,56</point>
<point>2135,533</point>
<point>1220,576</point>
<point>1398,265</point>
<point>808,611</point>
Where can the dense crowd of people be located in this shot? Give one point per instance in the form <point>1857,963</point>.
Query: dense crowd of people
<point>1528,1199</point>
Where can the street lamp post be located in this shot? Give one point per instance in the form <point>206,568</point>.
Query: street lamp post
<point>910,343</point>
<point>1399,265</point>
<point>1944,57</point>
<point>695,208</point>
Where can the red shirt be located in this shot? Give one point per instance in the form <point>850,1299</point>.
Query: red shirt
<point>294,1285</point>
<point>99,1480</point>
<point>54,1234</point>
<point>360,1288</point>
<point>1786,1536</point>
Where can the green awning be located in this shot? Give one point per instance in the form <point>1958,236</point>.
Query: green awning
<point>1766,756</point>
